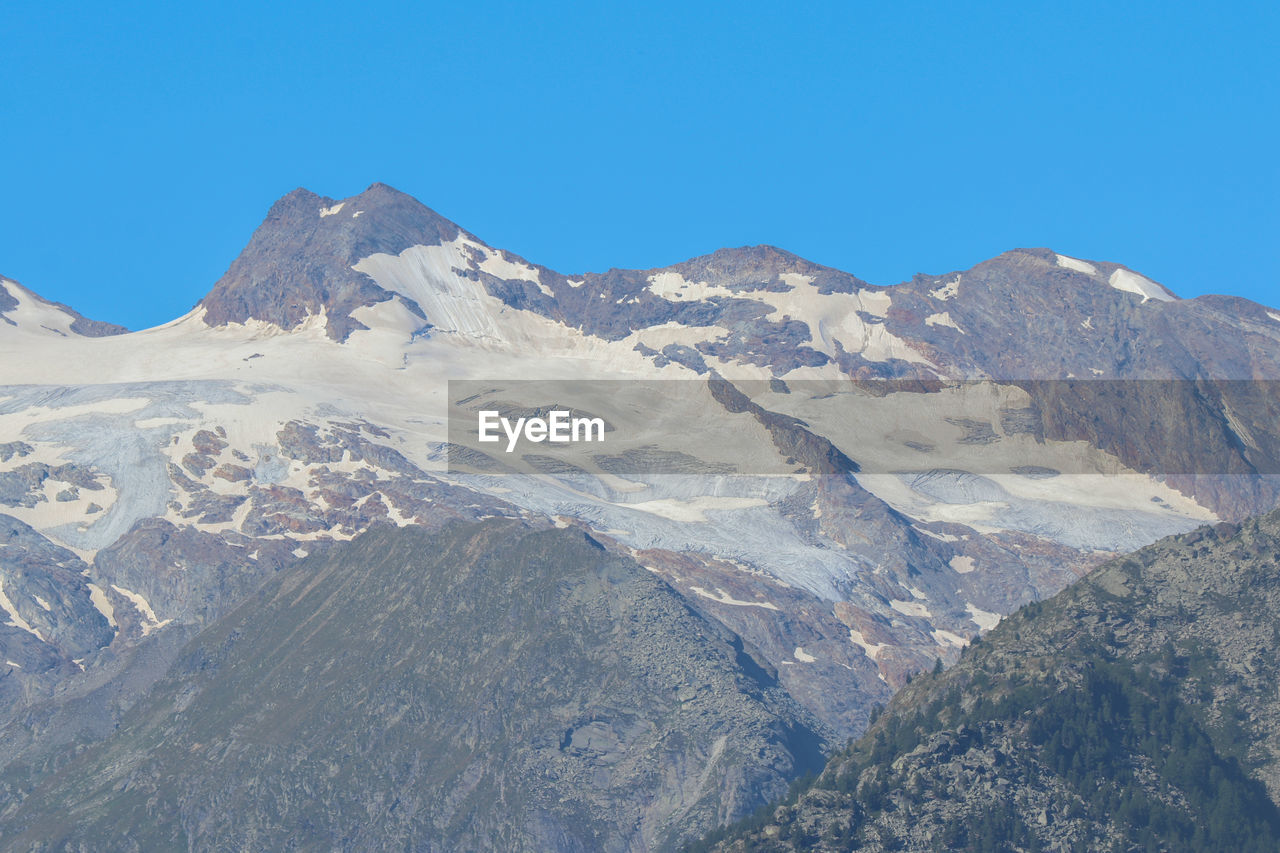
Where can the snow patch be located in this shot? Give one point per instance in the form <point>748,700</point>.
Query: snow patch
<point>942,319</point>
<point>16,621</point>
<point>1131,282</point>
<point>458,307</point>
<point>98,597</point>
<point>149,620</point>
<point>795,279</point>
<point>1274,316</point>
<point>947,638</point>
<point>659,336</point>
<point>962,565</point>
<point>43,604</point>
<point>330,211</point>
<point>1077,265</point>
<point>33,317</point>
<point>497,264</point>
<point>395,514</point>
<point>872,650</point>
<point>672,287</point>
<point>948,290</point>
<point>984,619</point>
<point>875,302</point>
<point>834,318</point>
<point>911,608</point>
<point>803,656</point>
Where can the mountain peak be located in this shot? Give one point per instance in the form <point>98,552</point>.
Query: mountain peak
<point>299,261</point>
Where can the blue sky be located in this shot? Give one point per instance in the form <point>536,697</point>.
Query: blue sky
<point>142,143</point>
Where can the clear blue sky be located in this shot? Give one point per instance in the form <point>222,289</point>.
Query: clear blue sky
<point>142,142</point>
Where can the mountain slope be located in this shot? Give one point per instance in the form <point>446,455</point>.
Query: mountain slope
<point>1135,710</point>
<point>488,687</point>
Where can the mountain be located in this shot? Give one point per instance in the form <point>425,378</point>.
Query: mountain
<point>489,686</point>
<point>1135,710</point>
<point>856,480</point>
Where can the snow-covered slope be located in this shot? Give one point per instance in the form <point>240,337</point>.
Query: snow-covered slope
<point>23,314</point>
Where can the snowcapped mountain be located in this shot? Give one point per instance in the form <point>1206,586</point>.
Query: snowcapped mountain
<point>1034,415</point>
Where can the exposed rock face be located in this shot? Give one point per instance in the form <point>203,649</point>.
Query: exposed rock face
<point>49,618</point>
<point>487,687</point>
<point>51,631</point>
<point>24,485</point>
<point>196,574</point>
<point>7,300</point>
<point>1136,707</point>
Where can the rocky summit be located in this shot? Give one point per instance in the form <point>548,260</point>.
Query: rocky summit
<point>855,480</point>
